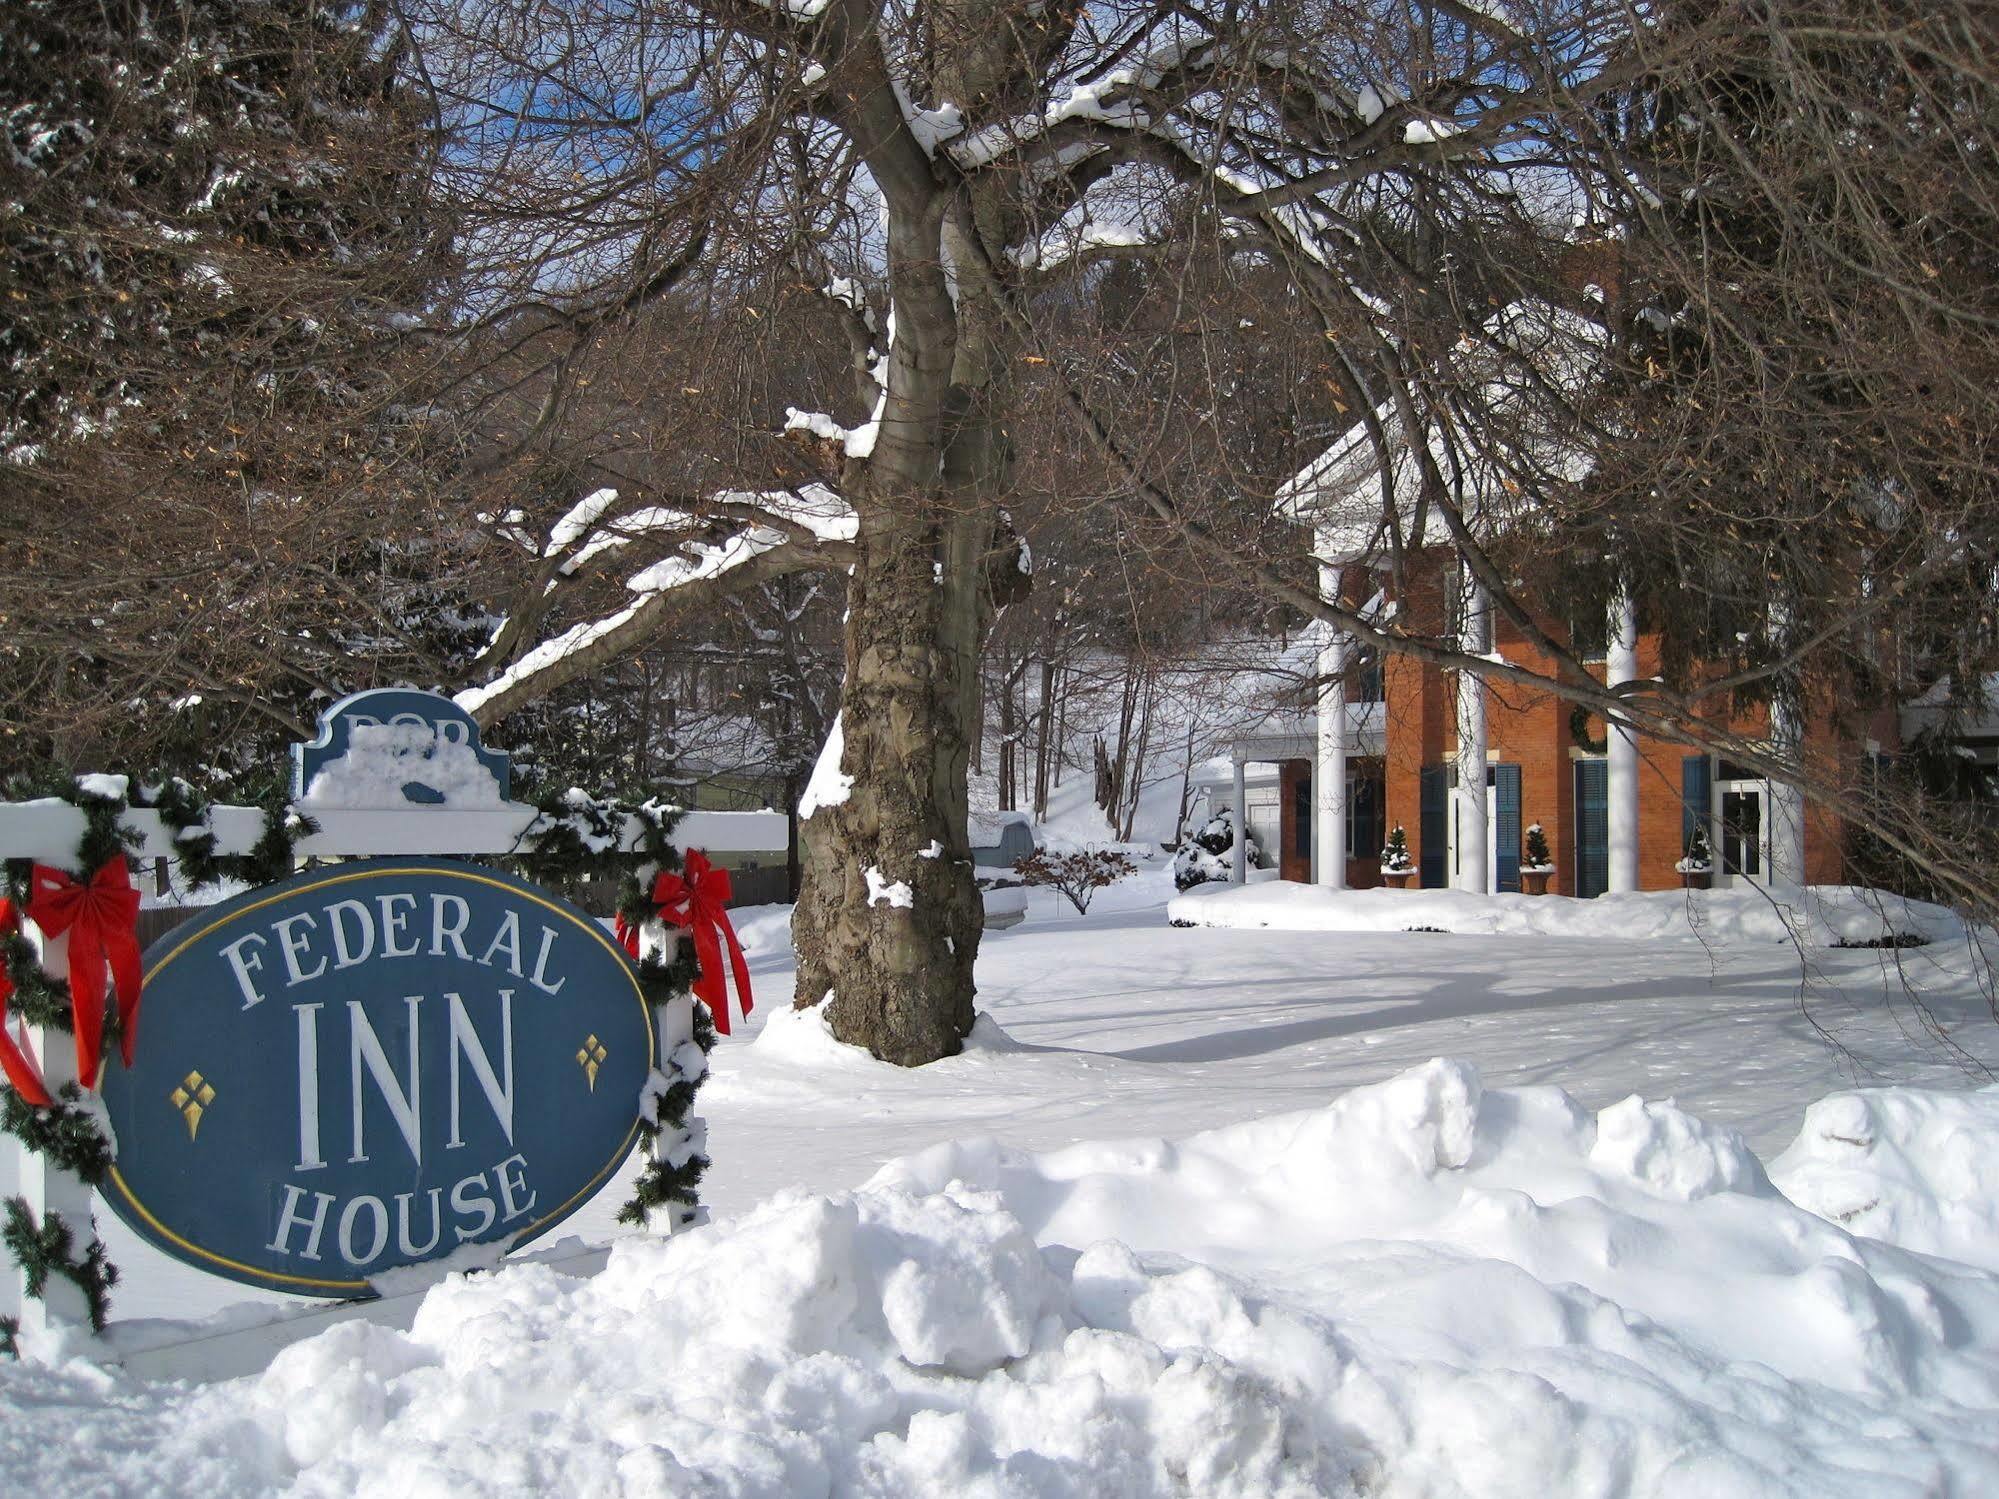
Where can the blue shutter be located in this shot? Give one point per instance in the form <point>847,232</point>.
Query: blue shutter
<point>1434,798</point>
<point>1592,827</point>
<point>1696,796</point>
<point>1506,825</point>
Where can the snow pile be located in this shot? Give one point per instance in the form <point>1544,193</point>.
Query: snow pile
<point>762,929</point>
<point>1908,1166</point>
<point>1427,1287</point>
<point>394,765</point>
<point>1817,915</point>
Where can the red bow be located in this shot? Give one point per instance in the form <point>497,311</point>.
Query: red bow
<point>101,918</point>
<point>22,1075</point>
<point>626,934</point>
<point>698,902</point>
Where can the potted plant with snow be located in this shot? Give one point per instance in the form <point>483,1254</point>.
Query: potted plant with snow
<point>1396,865</point>
<point>1696,866</point>
<point>1536,864</point>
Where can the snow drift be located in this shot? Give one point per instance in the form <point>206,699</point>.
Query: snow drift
<point>1426,1287</point>
<point>1815,915</point>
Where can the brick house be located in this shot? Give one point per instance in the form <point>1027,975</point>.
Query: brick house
<point>1465,768</point>
<point>1617,808</point>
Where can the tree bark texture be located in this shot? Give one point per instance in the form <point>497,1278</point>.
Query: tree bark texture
<point>889,932</point>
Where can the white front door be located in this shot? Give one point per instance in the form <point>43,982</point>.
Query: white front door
<point>1742,820</point>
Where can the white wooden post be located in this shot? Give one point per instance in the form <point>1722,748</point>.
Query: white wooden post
<point>58,1322</point>
<point>1621,750</point>
<point>674,1026</point>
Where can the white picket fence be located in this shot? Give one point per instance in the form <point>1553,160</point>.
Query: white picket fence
<point>221,1348</point>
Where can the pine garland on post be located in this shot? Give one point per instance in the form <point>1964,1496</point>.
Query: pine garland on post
<point>49,1250</point>
<point>579,836</point>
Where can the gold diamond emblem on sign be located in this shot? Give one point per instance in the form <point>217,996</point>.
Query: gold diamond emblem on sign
<point>192,1098</point>
<point>590,1056</point>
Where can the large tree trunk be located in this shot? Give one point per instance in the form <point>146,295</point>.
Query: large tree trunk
<point>888,922</point>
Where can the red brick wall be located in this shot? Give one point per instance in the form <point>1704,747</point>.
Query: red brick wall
<point>1532,730</point>
<point>1290,864</point>
<point>1414,711</point>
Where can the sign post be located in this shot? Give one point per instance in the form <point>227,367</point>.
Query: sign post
<point>59,1319</point>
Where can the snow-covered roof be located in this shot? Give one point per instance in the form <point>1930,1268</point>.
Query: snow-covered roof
<point>1529,347</point>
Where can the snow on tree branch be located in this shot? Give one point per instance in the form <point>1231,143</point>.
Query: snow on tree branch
<point>785,531</point>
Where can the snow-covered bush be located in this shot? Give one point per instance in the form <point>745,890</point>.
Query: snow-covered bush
<point>1395,853</point>
<point>1079,876</point>
<point>1536,857</point>
<point>1207,855</point>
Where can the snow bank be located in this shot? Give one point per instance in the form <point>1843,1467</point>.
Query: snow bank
<point>762,929</point>
<point>1908,1166</point>
<point>1818,915</point>
<point>1425,1288</point>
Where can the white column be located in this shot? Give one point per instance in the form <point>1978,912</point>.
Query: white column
<point>1239,855</point>
<point>1621,745</point>
<point>1469,799</point>
<point>1329,775</point>
<point>58,1323</point>
<point>1787,803</point>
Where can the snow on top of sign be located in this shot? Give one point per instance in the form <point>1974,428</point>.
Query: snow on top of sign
<point>404,1279</point>
<point>382,759</point>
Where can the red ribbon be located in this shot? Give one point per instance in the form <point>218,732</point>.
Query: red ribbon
<point>23,1076</point>
<point>698,902</point>
<point>626,934</point>
<point>101,917</point>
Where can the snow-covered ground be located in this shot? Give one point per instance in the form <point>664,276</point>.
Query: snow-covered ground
<point>1217,1223</point>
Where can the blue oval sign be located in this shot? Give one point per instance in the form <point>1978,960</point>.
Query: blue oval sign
<point>371,1066</point>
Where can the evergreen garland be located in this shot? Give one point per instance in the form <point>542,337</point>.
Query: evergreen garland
<point>671,1175</point>
<point>45,1251</point>
<point>579,837</point>
<point>37,998</point>
<point>66,1132</point>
